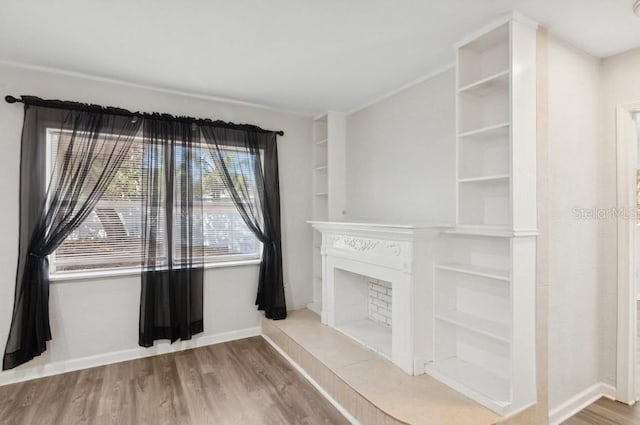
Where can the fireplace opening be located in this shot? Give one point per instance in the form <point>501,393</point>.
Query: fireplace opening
<point>363,310</point>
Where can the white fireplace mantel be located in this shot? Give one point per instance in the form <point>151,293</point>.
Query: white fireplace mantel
<point>400,254</point>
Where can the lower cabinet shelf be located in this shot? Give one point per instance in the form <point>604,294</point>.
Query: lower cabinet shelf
<point>490,390</point>
<point>488,272</point>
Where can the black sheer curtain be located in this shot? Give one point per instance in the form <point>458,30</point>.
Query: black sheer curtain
<point>257,160</point>
<point>89,147</point>
<point>172,276</point>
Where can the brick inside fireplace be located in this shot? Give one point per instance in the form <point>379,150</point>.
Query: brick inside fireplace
<point>380,297</point>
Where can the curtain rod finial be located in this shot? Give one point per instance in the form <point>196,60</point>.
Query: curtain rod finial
<point>11,99</point>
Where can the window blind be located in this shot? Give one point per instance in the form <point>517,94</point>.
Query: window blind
<point>110,237</point>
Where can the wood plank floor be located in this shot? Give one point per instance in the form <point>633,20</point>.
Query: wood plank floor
<point>239,382</point>
<point>607,412</point>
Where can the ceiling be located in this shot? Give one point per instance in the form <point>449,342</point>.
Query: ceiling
<point>299,55</point>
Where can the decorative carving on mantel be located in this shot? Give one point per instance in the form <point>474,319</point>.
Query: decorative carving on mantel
<point>365,245</point>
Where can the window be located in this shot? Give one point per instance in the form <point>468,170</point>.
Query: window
<point>110,237</point>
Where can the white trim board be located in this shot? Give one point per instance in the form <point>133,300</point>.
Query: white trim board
<point>565,410</point>
<point>626,166</point>
<point>56,368</point>
<point>135,271</point>
<point>344,412</point>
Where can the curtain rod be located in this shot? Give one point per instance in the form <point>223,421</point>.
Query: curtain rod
<point>59,104</point>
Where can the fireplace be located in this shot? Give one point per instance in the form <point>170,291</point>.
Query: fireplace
<point>377,287</point>
<point>363,310</point>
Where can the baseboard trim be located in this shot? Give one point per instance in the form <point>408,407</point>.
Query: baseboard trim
<point>581,400</point>
<point>313,382</point>
<point>419,364</point>
<point>56,368</point>
<point>315,307</point>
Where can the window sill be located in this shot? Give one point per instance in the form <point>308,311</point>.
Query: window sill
<point>102,274</point>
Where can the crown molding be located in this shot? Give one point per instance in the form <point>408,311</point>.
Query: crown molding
<point>85,76</point>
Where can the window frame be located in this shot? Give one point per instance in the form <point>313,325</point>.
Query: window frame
<point>210,262</point>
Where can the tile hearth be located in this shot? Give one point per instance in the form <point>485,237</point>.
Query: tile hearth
<point>370,387</point>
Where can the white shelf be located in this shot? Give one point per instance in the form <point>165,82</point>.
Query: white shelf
<point>322,168</point>
<point>322,194</point>
<point>485,129</point>
<point>372,335</point>
<point>485,178</point>
<point>488,328</point>
<point>499,80</point>
<point>482,230</point>
<point>487,272</point>
<point>322,142</point>
<point>488,389</point>
<point>493,133</point>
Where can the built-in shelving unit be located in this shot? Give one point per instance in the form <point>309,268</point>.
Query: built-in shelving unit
<point>473,323</point>
<point>320,202</point>
<point>328,168</point>
<point>484,276</point>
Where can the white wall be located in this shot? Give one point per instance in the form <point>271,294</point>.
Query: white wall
<point>620,85</point>
<point>99,317</point>
<point>574,251</point>
<point>401,155</point>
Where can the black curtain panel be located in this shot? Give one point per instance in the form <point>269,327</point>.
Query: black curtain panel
<point>86,148</point>
<point>257,198</point>
<point>172,233</point>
